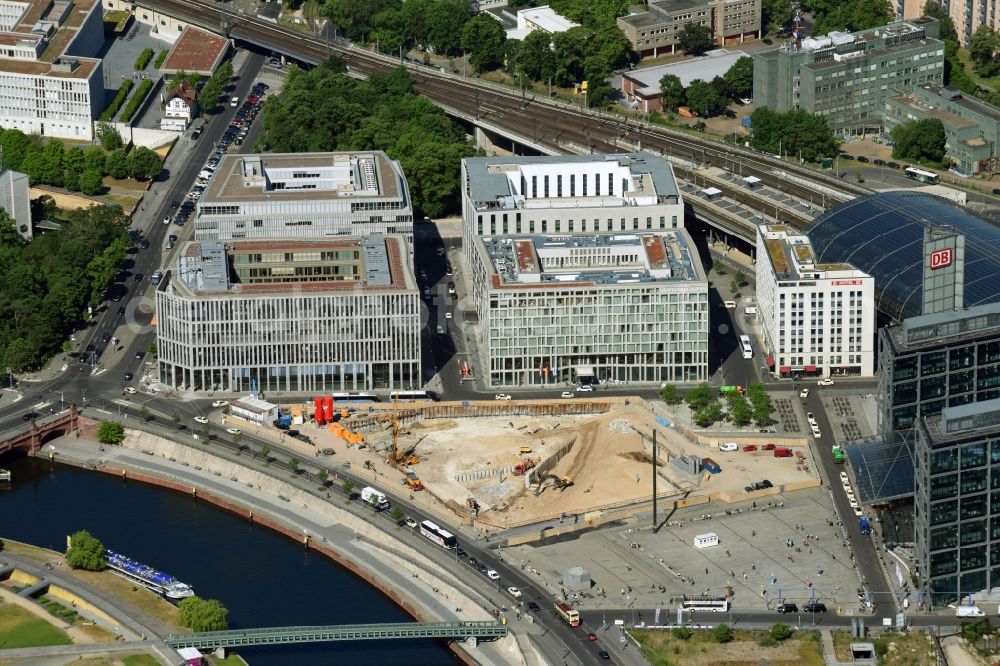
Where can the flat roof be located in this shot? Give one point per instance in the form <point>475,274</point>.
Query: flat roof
<point>203,267</point>
<point>972,420</point>
<point>916,103</point>
<point>946,328</point>
<point>546,19</point>
<point>490,178</point>
<point>55,23</point>
<point>197,51</point>
<point>706,67</point>
<point>245,178</point>
<point>792,256</point>
<point>596,259</point>
<point>958,98</point>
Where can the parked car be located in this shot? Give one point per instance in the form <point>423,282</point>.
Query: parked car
<point>585,388</point>
<point>825,382</point>
<point>814,607</point>
<point>501,396</point>
<point>879,162</point>
<point>201,419</point>
<point>567,394</point>
<point>862,158</point>
<point>234,431</point>
<point>492,574</point>
<point>788,608</point>
<point>128,376</point>
<point>893,165</point>
<point>410,522</point>
<point>804,393</point>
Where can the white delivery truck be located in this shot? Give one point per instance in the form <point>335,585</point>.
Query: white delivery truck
<point>375,497</point>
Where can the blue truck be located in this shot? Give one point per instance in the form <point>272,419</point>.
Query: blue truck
<point>864,525</point>
<point>711,465</point>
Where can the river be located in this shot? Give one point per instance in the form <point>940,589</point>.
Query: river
<point>264,579</point>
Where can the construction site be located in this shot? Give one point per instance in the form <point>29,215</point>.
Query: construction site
<point>500,465</point>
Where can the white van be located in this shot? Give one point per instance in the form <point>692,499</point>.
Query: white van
<point>729,305</point>
<point>969,611</point>
<point>234,102</point>
<point>750,310</point>
<point>728,446</point>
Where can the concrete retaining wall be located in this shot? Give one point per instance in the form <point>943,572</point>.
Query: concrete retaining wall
<point>75,600</point>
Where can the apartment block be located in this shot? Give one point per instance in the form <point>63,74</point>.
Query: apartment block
<point>302,316</point>
<point>817,319</point>
<point>304,195</point>
<point>657,31</point>
<point>846,77</point>
<point>51,80</point>
<point>971,126</point>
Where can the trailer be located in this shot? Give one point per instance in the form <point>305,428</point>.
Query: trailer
<point>375,497</point>
<point>710,465</point>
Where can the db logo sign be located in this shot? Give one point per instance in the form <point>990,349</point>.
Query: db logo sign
<point>940,258</point>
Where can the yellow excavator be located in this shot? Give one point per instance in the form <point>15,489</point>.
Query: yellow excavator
<point>400,458</point>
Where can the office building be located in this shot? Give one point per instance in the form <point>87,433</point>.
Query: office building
<point>641,87</point>
<point>957,544</point>
<point>817,319</point>
<point>305,195</point>
<point>971,126</point>
<point>51,82</point>
<point>599,263</point>
<point>601,308</point>
<point>657,31</point>
<point>301,316</point>
<point>846,77</point>
<point>568,194</point>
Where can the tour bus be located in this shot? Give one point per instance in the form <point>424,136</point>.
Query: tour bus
<point>568,613</point>
<point>411,396</point>
<point>441,537</point>
<point>703,604</point>
<point>928,177</point>
<point>745,346</point>
<point>353,397</point>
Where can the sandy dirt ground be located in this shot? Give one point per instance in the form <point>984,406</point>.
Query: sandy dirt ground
<point>603,457</point>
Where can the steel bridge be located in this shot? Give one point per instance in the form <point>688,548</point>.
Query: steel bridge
<point>337,632</point>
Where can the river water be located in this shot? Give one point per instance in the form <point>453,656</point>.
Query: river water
<point>264,579</point>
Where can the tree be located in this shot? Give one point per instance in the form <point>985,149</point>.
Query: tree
<point>700,396</point>
<point>347,487</point>
<point>775,15</point>
<point>143,163</point>
<point>110,138</point>
<point>681,633</point>
<point>723,633</point>
<point>203,614</point>
<point>919,140</point>
<point>795,132</point>
<point>322,475</point>
<point>739,77</point>
<point>110,432</point>
<point>86,552</point>
<point>946,31</point>
<point>695,39</point>
<point>91,182</point>
<point>265,451</point>
<point>237,438</point>
<point>740,278</point>
<point>204,431</point>
<point>445,22</point>
<point>780,632</point>
<point>704,99</point>
<point>293,464</point>
<point>740,412</point>
<point>483,39</point>
<point>535,58</point>
<point>71,181</point>
<point>176,418</point>
<point>983,47</point>
<point>396,514</point>
<point>116,164</point>
<point>144,412</point>
<point>670,395</point>
<point>671,92</point>
<point>93,158</point>
<point>707,415</point>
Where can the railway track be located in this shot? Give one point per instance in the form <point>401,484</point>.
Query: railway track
<point>556,126</point>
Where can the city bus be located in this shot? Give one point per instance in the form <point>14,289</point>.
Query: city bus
<point>411,396</point>
<point>354,397</point>
<point>745,346</point>
<point>928,177</point>
<point>705,604</point>
<point>838,455</point>
<point>441,537</point>
<point>568,613</point>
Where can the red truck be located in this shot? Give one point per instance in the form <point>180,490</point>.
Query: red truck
<point>782,452</point>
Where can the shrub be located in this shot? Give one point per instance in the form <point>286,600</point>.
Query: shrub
<point>723,633</point>
<point>780,632</point>
<point>137,99</point>
<point>160,58</point>
<point>767,641</point>
<point>143,59</point>
<point>110,112</point>
<point>681,633</point>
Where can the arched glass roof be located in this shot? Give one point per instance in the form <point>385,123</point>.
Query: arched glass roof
<point>882,234</point>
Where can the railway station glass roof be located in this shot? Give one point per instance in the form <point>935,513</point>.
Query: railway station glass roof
<point>883,468</point>
<point>882,234</point>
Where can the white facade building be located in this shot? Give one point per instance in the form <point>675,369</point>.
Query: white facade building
<point>301,316</point>
<point>539,18</point>
<point>816,319</point>
<point>305,195</point>
<point>51,83</point>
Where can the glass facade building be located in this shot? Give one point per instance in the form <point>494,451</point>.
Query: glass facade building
<point>957,502</point>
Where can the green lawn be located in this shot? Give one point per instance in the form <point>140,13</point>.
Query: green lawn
<point>20,629</point>
<point>140,660</point>
<point>662,648</point>
<point>993,83</point>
